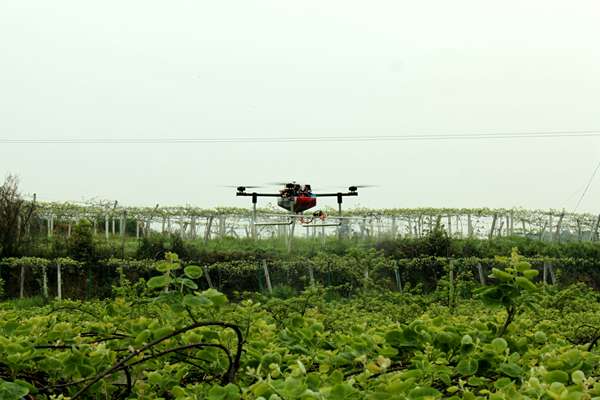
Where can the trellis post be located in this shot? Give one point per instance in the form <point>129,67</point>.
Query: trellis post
<point>493,226</point>
<point>551,271</point>
<point>558,226</point>
<point>193,227</point>
<point>50,225</point>
<point>44,282</point>
<point>222,225</point>
<point>595,230</point>
<point>311,275</point>
<point>58,281</point>
<point>207,275</point>
<point>209,227</point>
<point>267,277</point>
<point>397,275</point>
<point>481,275</point>
<point>22,282</point>
<point>451,284</point>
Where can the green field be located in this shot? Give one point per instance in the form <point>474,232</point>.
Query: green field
<point>168,339</point>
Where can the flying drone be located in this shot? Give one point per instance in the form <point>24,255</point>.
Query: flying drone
<point>297,198</point>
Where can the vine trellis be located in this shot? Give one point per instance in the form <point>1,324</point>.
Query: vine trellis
<point>110,220</point>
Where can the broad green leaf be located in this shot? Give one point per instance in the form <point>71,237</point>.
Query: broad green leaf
<point>540,337</point>
<point>424,393</point>
<point>142,337</point>
<point>523,266</point>
<point>229,392</point>
<point>187,283</point>
<point>193,271</point>
<point>467,366</point>
<point>511,369</point>
<point>12,391</point>
<point>499,345</point>
<point>531,273</point>
<point>556,376</point>
<point>577,377</point>
<point>159,281</point>
<point>218,298</point>
<point>466,339</point>
<point>502,275</point>
<point>525,283</point>
<point>342,391</point>
<point>165,266</point>
<point>196,301</point>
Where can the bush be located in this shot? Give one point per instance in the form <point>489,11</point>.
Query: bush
<point>81,243</point>
<point>155,246</point>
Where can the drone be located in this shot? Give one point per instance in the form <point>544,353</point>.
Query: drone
<point>297,198</point>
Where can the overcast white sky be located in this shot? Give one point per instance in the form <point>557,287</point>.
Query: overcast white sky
<point>207,69</point>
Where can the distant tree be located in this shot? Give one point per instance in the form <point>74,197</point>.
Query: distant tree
<point>13,215</point>
<point>437,243</point>
<point>81,243</point>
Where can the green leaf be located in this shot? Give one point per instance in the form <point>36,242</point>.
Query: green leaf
<point>525,283</point>
<point>218,298</point>
<point>556,376</point>
<point>229,392</point>
<point>341,391</point>
<point>501,275</point>
<point>499,345</point>
<point>578,377</point>
<point>540,337</point>
<point>523,266</point>
<point>466,339</point>
<point>511,369</point>
<point>12,391</point>
<point>502,383</point>
<point>187,282</point>
<point>165,266</point>
<point>424,393</point>
<point>394,337</point>
<point>142,337</point>
<point>159,281</point>
<point>531,273</point>
<point>85,370</point>
<point>467,366</point>
<point>193,271</point>
<point>196,301</point>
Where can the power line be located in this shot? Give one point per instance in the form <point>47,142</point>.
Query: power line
<point>587,187</point>
<point>374,138</point>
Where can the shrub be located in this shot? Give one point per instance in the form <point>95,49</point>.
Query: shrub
<point>81,243</point>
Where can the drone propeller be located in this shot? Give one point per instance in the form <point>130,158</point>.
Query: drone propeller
<point>237,186</point>
<point>279,183</point>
